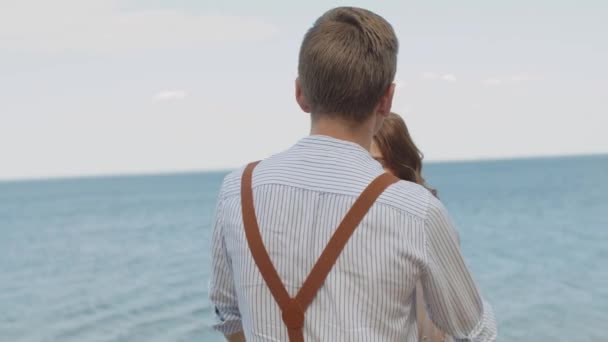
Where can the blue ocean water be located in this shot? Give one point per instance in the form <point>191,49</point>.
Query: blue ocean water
<point>126,258</point>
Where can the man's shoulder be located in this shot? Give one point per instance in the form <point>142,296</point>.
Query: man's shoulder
<point>408,198</point>
<point>405,197</point>
<point>232,183</point>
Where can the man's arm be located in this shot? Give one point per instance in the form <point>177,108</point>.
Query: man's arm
<point>222,292</point>
<point>454,303</point>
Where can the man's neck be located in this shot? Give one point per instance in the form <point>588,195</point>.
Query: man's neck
<point>337,128</point>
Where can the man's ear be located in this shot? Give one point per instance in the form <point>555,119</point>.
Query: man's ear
<point>300,98</point>
<point>386,101</point>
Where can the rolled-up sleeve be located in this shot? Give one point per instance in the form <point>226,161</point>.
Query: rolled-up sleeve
<point>222,291</point>
<point>452,298</point>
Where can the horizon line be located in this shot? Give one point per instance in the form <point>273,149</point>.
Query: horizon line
<point>168,172</point>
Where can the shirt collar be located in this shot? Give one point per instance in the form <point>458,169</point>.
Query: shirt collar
<point>325,141</point>
<point>334,146</point>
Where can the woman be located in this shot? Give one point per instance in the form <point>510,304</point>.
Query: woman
<point>394,148</point>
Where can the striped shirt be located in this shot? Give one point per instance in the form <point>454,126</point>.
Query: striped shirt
<point>300,197</point>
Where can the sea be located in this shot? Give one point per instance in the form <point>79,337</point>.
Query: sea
<point>126,258</point>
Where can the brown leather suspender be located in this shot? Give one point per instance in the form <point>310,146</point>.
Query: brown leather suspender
<point>293,309</point>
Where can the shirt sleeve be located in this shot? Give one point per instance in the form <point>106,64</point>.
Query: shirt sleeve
<point>222,291</point>
<point>452,298</point>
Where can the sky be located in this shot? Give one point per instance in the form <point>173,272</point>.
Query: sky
<point>110,87</point>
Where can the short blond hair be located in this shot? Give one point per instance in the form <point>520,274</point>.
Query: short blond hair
<point>347,61</point>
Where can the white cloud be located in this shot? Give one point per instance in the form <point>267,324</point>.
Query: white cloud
<point>449,78</point>
<point>170,95</point>
<point>101,26</point>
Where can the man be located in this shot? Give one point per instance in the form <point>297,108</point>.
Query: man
<point>297,198</point>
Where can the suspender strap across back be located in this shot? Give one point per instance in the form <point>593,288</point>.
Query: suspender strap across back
<point>293,309</point>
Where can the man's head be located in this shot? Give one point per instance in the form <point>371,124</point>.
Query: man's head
<point>347,64</point>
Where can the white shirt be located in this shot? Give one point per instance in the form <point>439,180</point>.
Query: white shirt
<point>300,197</point>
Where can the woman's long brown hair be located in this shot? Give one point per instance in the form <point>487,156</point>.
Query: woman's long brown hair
<point>401,156</point>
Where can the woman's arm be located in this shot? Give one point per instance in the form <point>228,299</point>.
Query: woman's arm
<point>454,302</point>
